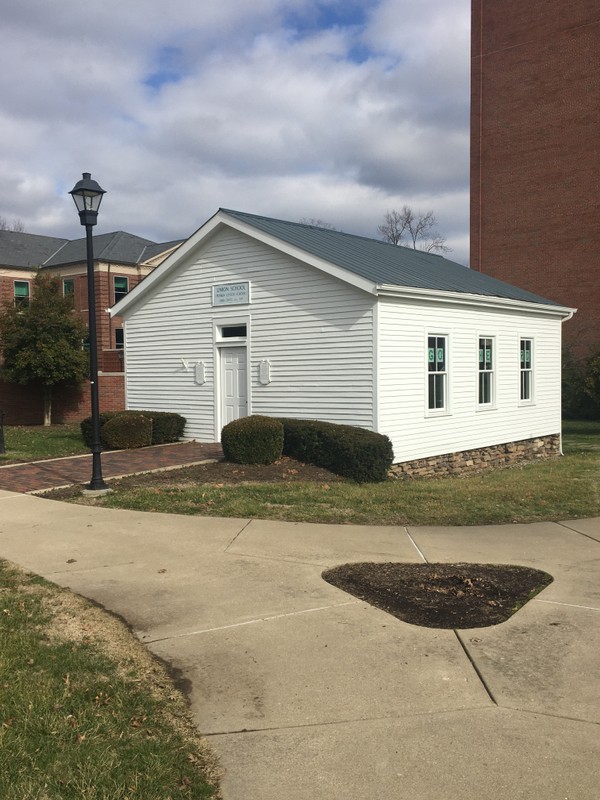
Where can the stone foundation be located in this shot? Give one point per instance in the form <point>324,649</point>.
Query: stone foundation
<point>468,462</point>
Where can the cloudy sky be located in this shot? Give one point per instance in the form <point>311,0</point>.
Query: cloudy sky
<point>329,109</point>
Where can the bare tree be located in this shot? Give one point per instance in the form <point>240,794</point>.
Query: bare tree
<point>17,225</point>
<point>408,228</point>
<point>317,223</point>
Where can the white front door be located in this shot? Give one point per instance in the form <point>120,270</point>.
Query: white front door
<point>234,386</point>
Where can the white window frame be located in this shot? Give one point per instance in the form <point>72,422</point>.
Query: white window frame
<point>488,373</point>
<point>444,409</point>
<point>526,401</point>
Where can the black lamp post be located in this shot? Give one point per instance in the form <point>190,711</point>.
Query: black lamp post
<point>87,195</point>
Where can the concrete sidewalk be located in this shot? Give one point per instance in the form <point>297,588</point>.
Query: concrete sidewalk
<point>307,693</point>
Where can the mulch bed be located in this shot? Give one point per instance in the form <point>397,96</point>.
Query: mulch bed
<point>441,595</point>
<point>284,470</point>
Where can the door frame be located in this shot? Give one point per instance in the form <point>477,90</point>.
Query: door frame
<point>222,343</point>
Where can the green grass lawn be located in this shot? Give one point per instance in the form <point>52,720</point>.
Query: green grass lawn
<point>37,442</point>
<point>562,488</point>
<point>86,713</point>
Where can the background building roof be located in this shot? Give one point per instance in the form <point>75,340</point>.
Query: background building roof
<point>118,247</point>
<point>21,250</point>
<point>27,250</point>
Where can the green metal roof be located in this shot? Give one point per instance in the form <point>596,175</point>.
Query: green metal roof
<point>386,264</point>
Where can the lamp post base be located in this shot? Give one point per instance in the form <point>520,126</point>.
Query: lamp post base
<point>87,492</point>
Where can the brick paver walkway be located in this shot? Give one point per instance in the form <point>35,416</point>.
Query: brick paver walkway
<point>36,475</point>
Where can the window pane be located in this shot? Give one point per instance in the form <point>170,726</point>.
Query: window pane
<point>485,354</point>
<point>21,289</point>
<point>228,331</point>
<point>431,341</point>
<point>121,288</point>
<point>119,338</point>
<point>525,385</point>
<point>485,387</point>
<point>436,391</point>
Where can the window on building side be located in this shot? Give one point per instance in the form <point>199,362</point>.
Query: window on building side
<point>437,377</point>
<point>121,286</point>
<point>69,288</point>
<point>486,372</point>
<point>119,338</point>
<point>21,289</point>
<point>526,368</point>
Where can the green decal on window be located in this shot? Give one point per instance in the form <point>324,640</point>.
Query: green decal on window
<point>488,356</point>
<point>440,354</point>
<point>481,356</point>
<point>431,355</point>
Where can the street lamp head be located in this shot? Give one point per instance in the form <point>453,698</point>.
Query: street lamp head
<point>87,195</point>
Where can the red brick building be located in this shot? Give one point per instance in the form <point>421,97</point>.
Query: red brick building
<point>122,260</point>
<point>535,152</point>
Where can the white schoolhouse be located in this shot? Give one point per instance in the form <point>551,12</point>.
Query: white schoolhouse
<point>253,315</point>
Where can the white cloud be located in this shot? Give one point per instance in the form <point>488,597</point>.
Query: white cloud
<point>177,111</point>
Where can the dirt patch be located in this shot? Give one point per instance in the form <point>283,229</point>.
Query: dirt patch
<point>441,595</point>
<point>284,470</point>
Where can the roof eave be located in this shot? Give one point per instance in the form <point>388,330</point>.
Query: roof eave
<point>468,299</point>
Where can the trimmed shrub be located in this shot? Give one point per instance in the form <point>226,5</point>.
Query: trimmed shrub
<point>252,440</point>
<point>126,431</point>
<point>166,426</point>
<point>87,430</point>
<point>364,456</point>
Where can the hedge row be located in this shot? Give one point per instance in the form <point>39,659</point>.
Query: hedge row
<point>356,453</point>
<point>160,427</point>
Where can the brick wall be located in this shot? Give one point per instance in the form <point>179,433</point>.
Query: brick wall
<point>23,405</point>
<point>535,134</point>
<point>73,405</point>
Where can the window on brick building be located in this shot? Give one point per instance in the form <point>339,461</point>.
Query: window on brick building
<point>21,293</point>
<point>437,373</point>
<point>526,370</point>
<point>486,372</point>
<point>121,287</point>
<point>119,338</point>
<point>69,288</point>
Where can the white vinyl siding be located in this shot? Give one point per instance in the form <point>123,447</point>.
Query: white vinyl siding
<point>316,332</point>
<point>403,328</point>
